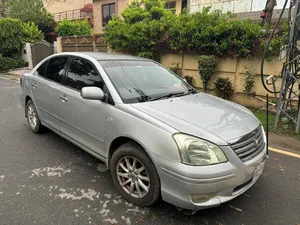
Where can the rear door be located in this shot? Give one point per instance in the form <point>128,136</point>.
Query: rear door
<point>46,88</point>
<point>82,120</point>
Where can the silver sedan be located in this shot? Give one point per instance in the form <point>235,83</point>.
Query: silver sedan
<point>158,136</point>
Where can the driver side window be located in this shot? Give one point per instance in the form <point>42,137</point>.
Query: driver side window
<point>81,74</point>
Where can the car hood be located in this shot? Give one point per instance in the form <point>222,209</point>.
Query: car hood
<point>203,115</point>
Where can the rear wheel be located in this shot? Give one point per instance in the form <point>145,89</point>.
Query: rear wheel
<point>33,118</point>
<point>135,175</point>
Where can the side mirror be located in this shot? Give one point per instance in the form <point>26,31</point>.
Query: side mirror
<point>92,93</point>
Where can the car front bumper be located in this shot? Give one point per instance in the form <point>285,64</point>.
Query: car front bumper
<point>200,187</point>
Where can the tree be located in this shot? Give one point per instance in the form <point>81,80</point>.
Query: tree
<point>150,30</point>
<point>31,33</point>
<point>30,11</point>
<point>77,27</point>
<point>3,8</point>
<point>11,35</point>
<point>269,11</point>
<point>142,30</point>
<point>14,33</point>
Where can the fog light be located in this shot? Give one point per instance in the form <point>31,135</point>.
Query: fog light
<point>201,198</point>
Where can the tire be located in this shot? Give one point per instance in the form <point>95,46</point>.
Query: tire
<point>32,115</point>
<point>131,151</point>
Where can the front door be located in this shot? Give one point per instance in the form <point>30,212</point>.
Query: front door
<point>45,90</point>
<point>82,120</point>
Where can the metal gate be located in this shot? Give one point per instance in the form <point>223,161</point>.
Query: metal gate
<point>39,51</point>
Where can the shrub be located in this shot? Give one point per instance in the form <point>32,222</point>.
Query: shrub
<point>249,79</point>
<point>78,27</point>
<point>190,80</point>
<point>11,35</point>
<point>223,87</point>
<point>142,31</point>
<point>210,32</point>
<point>207,65</point>
<point>154,29</point>
<point>279,39</point>
<point>148,55</point>
<point>7,63</point>
<point>31,33</point>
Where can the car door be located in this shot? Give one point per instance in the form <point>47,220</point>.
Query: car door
<point>82,120</point>
<point>45,88</point>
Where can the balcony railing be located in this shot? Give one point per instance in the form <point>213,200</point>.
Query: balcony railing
<point>72,15</point>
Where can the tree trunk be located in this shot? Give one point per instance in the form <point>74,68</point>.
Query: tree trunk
<point>270,5</point>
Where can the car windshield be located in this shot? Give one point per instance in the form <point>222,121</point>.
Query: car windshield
<point>140,81</point>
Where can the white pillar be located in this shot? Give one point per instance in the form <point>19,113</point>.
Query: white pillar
<point>29,55</point>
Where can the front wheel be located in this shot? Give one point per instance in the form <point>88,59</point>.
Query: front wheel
<point>33,118</point>
<point>135,175</point>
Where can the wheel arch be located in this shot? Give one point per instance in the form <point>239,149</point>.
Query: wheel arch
<point>27,98</point>
<point>117,142</point>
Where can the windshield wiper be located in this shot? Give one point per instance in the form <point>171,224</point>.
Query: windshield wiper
<point>167,96</point>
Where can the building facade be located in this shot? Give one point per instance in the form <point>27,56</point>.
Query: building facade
<point>57,6</point>
<point>70,9</point>
<point>234,6</point>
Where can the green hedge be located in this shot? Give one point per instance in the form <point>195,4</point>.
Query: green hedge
<point>153,30</point>
<point>8,63</point>
<point>31,33</point>
<point>207,65</point>
<point>78,27</point>
<point>142,31</point>
<point>11,35</point>
<point>14,33</point>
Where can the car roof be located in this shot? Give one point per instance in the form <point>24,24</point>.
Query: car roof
<point>104,56</point>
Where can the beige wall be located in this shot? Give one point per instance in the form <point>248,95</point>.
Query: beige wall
<point>232,68</point>
<point>120,6</point>
<point>56,6</point>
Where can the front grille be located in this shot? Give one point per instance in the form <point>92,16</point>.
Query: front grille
<point>249,145</point>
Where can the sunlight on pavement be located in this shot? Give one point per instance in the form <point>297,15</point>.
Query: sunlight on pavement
<point>284,152</point>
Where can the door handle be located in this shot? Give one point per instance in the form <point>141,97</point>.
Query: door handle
<point>34,85</point>
<point>63,98</point>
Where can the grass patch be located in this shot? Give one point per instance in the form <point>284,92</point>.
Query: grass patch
<point>262,116</point>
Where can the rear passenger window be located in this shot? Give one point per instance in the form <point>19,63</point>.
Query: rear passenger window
<point>81,74</point>
<point>41,70</point>
<point>56,68</point>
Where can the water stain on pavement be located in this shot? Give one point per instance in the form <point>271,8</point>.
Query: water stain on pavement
<point>110,208</point>
<point>50,171</point>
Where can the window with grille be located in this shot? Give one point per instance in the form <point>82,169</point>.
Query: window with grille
<point>171,6</point>
<point>107,11</point>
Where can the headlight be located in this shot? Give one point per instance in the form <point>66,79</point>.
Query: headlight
<point>198,152</point>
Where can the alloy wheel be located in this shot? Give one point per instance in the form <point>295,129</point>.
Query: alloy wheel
<point>32,116</point>
<point>133,177</point>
